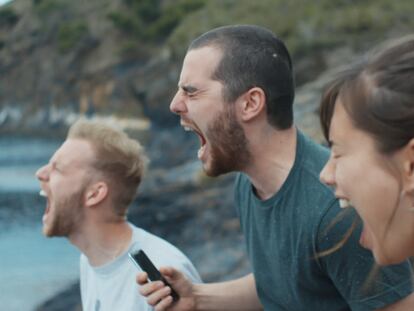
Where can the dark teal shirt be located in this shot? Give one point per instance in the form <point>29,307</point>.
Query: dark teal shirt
<point>285,232</point>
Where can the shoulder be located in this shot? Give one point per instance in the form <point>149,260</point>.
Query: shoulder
<point>154,242</point>
<point>163,253</point>
<point>314,156</point>
<point>241,180</point>
<point>83,261</point>
<point>242,185</point>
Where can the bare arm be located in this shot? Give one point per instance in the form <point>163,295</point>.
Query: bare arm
<point>239,294</point>
<point>404,304</point>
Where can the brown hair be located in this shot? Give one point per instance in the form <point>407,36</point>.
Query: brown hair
<point>254,56</point>
<point>119,158</point>
<point>378,95</point>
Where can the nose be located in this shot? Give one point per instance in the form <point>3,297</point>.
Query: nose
<point>327,175</point>
<point>43,173</point>
<point>177,104</point>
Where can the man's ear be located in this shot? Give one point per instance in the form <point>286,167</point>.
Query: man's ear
<point>96,193</point>
<point>252,103</point>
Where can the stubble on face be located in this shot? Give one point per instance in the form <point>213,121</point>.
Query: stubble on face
<point>68,214</point>
<point>229,146</point>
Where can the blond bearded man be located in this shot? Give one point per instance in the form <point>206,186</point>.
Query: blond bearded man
<point>89,183</point>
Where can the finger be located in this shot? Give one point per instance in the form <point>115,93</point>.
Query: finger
<point>142,278</point>
<point>155,297</point>
<point>164,304</point>
<point>170,272</point>
<point>151,287</point>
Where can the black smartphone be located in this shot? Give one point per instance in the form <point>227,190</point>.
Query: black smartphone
<point>142,261</point>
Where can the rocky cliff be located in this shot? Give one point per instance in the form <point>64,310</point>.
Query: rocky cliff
<point>61,59</point>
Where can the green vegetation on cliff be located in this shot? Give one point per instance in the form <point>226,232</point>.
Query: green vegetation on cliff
<point>71,33</point>
<point>123,56</point>
<point>8,17</point>
<point>304,25</point>
<point>151,21</point>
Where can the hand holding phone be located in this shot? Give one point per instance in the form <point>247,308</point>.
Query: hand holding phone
<point>142,261</point>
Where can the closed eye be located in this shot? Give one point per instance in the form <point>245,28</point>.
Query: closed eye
<point>189,90</point>
<point>55,167</point>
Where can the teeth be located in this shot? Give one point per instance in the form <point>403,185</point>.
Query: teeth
<point>344,203</point>
<point>186,128</point>
<point>43,193</point>
<point>200,152</point>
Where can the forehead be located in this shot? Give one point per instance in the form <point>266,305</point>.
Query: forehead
<point>74,151</point>
<point>340,117</point>
<point>341,125</point>
<point>200,64</point>
<point>344,133</point>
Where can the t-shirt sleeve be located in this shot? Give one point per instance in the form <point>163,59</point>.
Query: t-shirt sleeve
<point>236,193</point>
<point>168,255</point>
<point>352,269</point>
<point>190,271</point>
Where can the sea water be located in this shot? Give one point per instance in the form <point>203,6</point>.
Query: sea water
<point>33,268</point>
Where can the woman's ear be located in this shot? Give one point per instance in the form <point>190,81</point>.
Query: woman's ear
<point>252,103</point>
<point>408,166</point>
<point>96,193</point>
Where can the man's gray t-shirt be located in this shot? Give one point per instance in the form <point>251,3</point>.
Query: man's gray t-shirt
<point>285,232</point>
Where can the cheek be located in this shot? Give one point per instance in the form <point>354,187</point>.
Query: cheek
<point>357,183</point>
<point>348,171</point>
<point>370,188</point>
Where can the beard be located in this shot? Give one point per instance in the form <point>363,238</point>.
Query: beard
<point>229,146</point>
<point>67,216</point>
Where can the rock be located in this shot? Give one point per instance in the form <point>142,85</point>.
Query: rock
<point>67,300</point>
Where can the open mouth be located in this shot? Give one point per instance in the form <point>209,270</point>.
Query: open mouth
<point>203,142</point>
<point>363,239</point>
<point>344,203</point>
<point>44,194</point>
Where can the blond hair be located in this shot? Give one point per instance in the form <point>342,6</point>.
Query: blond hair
<point>119,158</point>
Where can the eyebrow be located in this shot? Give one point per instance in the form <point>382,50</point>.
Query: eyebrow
<point>188,88</point>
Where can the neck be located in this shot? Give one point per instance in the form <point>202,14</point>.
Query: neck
<point>103,242</point>
<point>273,157</point>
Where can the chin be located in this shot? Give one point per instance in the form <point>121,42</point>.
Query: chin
<point>47,233</point>
<point>383,260</point>
<point>215,169</point>
<point>211,173</point>
<point>210,170</point>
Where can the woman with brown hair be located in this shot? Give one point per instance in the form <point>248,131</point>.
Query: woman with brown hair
<point>367,115</point>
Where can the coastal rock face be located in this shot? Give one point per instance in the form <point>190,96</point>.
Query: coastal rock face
<point>68,300</point>
<point>61,59</point>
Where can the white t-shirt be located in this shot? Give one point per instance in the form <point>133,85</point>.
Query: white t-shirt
<point>112,287</point>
